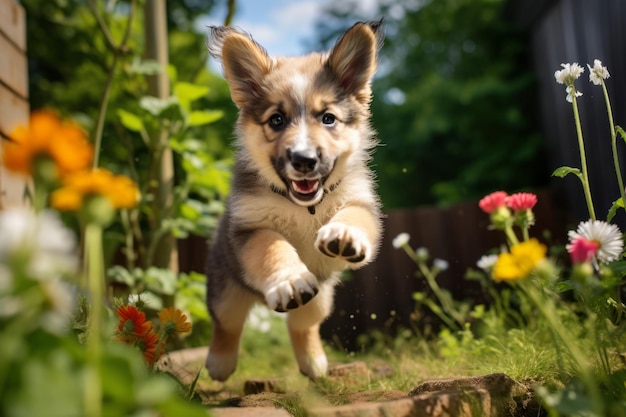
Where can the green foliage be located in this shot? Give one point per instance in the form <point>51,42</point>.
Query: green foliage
<point>43,364</point>
<point>70,62</point>
<point>454,102</point>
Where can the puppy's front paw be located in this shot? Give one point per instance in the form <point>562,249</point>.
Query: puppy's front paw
<point>291,288</point>
<point>221,366</point>
<point>343,241</point>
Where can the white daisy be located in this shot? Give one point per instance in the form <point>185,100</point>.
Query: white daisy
<point>608,236</point>
<point>597,73</point>
<point>571,92</point>
<point>440,264</point>
<point>401,240</point>
<point>569,73</point>
<point>50,245</point>
<point>486,262</point>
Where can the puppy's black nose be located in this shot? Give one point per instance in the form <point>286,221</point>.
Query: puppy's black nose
<point>303,161</point>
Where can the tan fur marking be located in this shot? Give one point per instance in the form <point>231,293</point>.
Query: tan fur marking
<point>264,254</point>
<point>224,341</point>
<point>360,217</point>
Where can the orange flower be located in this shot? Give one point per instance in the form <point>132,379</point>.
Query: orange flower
<point>118,189</point>
<point>173,321</point>
<point>148,345</point>
<point>46,136</point>
<point>132,323</point>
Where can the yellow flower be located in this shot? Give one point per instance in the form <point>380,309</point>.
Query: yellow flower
<point>120,191</point>
<point>518,264</point>
<point>174,321</point>
<point>47,137</point>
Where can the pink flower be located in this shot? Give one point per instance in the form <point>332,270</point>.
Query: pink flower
<point>493,201</point>
<point>582,250</point>
<point>521,201</point>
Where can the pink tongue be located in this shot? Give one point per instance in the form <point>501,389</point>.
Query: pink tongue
<point>305,186</point>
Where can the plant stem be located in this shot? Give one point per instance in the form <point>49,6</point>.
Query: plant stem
<point>583,157</point>
<point>510,234</point>
<point>448,309</point>
<point>95,283</point>
<point>547,310</point>
<point>618,171</point>
<point>117,53</point>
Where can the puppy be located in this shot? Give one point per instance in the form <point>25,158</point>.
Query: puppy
<point>302,206</point>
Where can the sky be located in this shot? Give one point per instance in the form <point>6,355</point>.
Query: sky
<point>280,26</point>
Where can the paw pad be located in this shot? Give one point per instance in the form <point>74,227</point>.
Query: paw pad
<point>339,240</point>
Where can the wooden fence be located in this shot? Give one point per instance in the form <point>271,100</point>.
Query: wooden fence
<point>14,108</point>
<point>380,295</point>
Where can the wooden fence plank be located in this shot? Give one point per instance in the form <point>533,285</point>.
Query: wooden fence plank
<point>13,67</point>
<point>14,111</point>
<point>13,22</point>
<point>12,186</point>
<point>14,107</point>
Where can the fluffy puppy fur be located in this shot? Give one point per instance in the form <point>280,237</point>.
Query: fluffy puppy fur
<point>302,206</point>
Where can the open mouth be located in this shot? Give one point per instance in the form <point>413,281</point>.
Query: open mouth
<point>304,190</point>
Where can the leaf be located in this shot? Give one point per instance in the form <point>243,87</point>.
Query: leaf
<point>203,117</point>
<point>160,280</point>
<point>146,67</point>
<point>172,73</point>
<point>130,121</point>
<point>190,92</point>
<point>561,172</point>
<point>121,275</point>
<point>621,132</point>
<point>619,203</point>
<point>157,106</point>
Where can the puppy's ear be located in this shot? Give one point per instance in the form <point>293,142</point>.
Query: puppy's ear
<point>245,62</point>
<point>353,59</point>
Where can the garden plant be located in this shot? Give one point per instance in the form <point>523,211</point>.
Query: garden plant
<point>577,303</point>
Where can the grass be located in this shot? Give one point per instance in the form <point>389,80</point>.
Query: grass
<point>523,354</point>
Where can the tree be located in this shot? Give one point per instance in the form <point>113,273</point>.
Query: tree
<point>453,102</point>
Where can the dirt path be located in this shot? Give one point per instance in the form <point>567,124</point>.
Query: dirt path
<point>494,395</point>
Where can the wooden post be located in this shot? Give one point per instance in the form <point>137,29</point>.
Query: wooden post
<point>166,254</point>
<point>14,108</point>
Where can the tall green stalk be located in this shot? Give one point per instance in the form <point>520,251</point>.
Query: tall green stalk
<point>95,285</point>
<point>618,171</point>
<point>583,157</point>
<point>118,51</point>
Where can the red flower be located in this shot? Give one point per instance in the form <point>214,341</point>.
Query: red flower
<point>493,201</point>
<point>521,201</point>
<point>582,250</point>
<point>148,345</point>
<point>132,322</point>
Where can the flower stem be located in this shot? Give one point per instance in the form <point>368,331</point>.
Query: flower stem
<point>583,159</point>
<point>618,171</point>
<point>571,346</point>
<point>510,234</point>
<point>95,284</point>
<point>118,51</point>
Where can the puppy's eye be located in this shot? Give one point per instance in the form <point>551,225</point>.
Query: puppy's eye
<point>276,121</point>
<point>329,119</point>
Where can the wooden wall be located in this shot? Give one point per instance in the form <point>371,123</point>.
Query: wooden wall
<point>14,107</point>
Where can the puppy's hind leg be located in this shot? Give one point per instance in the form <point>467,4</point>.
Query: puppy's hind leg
<point>229,314</point>
<point>304,325</point>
